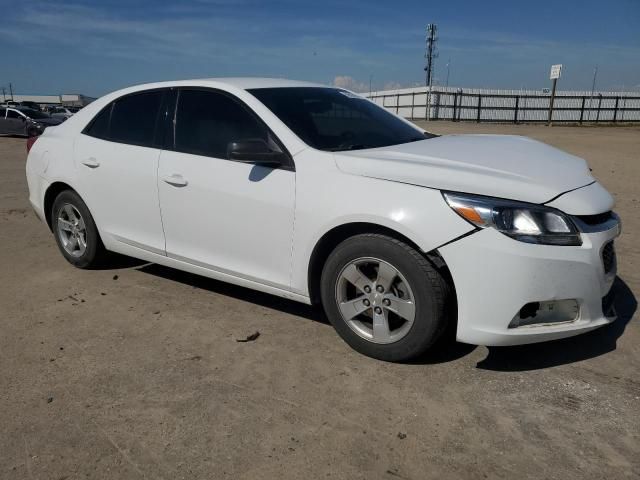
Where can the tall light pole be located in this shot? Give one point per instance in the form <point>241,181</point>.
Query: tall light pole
<point>448,66</point>
<point>430,55</point>
<point>593,88</point>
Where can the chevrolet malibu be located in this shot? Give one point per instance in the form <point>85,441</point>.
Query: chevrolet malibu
<point>318,195</point>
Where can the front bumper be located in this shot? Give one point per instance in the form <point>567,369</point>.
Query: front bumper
<point>495,276</point>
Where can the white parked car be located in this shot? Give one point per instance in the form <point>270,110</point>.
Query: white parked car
<point>318,195</point>
<point>61,112</point>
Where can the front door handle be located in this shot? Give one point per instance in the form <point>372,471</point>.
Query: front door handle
<point>91,163</point>
<point>176,180</point>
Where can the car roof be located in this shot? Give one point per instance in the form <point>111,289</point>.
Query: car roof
<point>260,82</point>
<point>243,83</point>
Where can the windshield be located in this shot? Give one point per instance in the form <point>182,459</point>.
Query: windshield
<point>334,120</point>
<point>29,112</point>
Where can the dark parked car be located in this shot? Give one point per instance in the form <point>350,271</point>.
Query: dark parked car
<point>25,121</point>
<point>31,105</point>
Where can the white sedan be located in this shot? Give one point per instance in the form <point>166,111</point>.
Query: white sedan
<point>318,195</point>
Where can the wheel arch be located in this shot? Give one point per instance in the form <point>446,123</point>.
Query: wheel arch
<point>332,238</point>
<point>50,196</point>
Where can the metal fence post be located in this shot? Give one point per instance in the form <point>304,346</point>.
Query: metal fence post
<point>615,110</point>
<point>582,109</point>
<point>397,102</point>
<point>479,107</point>
<point>599,105</point>
<point>455,104</point>
<point>413,101</point>
<point>515,114</point>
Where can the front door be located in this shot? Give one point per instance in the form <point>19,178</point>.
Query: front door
<point>232,217</point>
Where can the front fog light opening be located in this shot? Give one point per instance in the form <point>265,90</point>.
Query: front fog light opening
<point>546,313</point>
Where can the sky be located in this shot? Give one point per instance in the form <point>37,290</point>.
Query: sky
<point>94,47</point>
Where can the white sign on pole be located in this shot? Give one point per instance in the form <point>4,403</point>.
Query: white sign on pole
<point>555,71</point>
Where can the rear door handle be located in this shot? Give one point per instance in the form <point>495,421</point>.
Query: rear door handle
<point>176,180</point>
<point>91,163</point>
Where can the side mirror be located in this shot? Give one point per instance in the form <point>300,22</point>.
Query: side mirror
<point>254,151</point>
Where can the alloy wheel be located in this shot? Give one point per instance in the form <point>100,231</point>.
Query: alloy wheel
<point>72,230</point>
<point>375,300</point>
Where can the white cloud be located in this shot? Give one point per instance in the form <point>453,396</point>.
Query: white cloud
<point>350,83</point>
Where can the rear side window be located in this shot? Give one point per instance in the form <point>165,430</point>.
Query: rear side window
<point>12,114</point>
<point>134,118</point>
<point>99,127</point>
<point>207,121</point>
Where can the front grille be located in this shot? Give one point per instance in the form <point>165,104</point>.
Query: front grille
<point>609,257</point>
<point>596,219</point>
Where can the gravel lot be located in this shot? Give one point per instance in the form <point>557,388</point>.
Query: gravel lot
<point>135,372</point>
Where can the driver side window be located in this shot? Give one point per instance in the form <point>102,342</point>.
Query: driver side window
<point>207,121</point>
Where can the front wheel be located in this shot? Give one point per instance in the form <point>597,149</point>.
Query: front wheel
<point>383,297</point>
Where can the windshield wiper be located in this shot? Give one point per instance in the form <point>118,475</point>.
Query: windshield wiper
<point>356,146</point>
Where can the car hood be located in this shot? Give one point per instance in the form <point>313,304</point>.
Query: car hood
<point>503,166</point>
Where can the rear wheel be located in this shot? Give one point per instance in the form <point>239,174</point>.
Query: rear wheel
<point>383,297</point>
<point>75,231</point>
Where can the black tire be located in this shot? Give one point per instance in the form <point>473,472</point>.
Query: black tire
<point>94,254</point>
<point>430,291</point>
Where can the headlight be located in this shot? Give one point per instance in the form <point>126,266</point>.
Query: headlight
<point>525,222</point>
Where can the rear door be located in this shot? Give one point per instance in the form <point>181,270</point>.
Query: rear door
<point>117,161</point>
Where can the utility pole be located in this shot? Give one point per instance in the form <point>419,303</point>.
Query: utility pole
<point>593,88</point>
<point>11,90</point>
<point>431,54</point>
<point>4,96</point>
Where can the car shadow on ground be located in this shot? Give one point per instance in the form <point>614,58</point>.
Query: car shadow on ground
<point>235,291</point>
<point>560,352</point>
<point>445,350</point>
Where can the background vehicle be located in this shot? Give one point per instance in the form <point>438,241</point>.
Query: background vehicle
<point>60,112</point>
<point>24,121</point>
<point>31,105</point>
<point>318,195</point>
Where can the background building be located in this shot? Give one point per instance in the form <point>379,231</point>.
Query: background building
<point>68,100</point>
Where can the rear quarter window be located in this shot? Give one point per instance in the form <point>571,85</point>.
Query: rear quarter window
<point>99,126</point>
<point>131,119</point>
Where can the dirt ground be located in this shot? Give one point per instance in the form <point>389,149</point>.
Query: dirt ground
<point>135,372</point>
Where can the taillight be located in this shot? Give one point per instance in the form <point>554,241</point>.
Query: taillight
<point>30,142</point>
